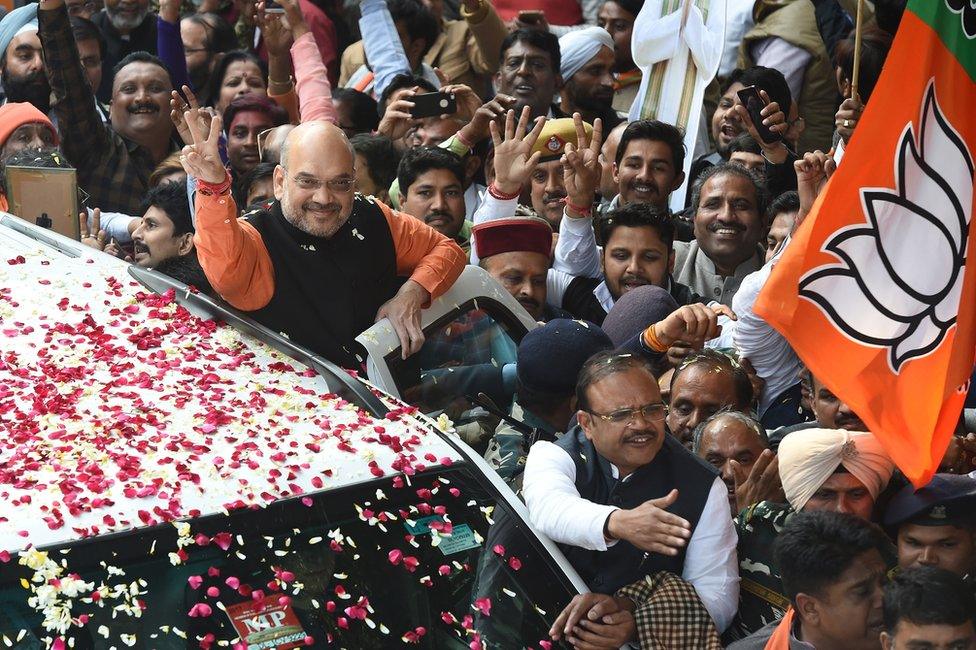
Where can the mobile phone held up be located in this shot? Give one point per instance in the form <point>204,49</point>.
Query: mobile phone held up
<point>272,7</point>
<point>749,96</point>
<point>531,17</point>
<point>432,104</point>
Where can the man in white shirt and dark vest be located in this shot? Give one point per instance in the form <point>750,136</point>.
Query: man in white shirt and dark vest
<point>622,497</point>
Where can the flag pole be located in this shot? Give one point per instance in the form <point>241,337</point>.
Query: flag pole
<point>857,49</point>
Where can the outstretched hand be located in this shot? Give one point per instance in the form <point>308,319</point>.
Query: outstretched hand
<point>178,108</point>
<point>691,325</point>
<point>201,159</point>
<point>94,237</point>
<point>581,164</point>
<point>514,160</point>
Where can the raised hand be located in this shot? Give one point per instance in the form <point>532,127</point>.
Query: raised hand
<point>294,18</point>
<point>477,129</point>
<point>94,237</point>
<point>847,116</point>
<point>201,159</point>
<point>277,35</point>
<point>468,101</point>
<point>813,171</point>
<point>514,160</point>
<point>178,108</point>
<point>581,166</point>
<point>773,117</point>
<point>397,119</point>
<point>650,527</point>
<point>760,484</point>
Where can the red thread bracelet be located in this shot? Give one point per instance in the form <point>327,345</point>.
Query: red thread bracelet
<point>577,209</point>
<point>498,194</point>
<point>214,189</point>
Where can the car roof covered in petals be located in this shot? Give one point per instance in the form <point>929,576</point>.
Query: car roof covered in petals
<point>119,409</point>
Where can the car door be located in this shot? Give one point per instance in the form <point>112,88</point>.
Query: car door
<point>472,333</point>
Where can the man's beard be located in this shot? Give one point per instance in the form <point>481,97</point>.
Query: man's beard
<point>296,216</point>
<point>589,102</point>
<point>32,88</point>
<point>126,23</point>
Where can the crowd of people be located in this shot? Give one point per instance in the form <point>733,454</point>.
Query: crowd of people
<point>708,488</point>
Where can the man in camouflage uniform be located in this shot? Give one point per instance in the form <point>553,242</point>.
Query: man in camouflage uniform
<point>549,359</point>
<point>821,469</point>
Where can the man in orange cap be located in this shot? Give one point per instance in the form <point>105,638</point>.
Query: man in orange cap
<point>518,252</point>
<point>23,126</point>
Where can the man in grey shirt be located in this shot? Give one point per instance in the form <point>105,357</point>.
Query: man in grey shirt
<point>728,203</point>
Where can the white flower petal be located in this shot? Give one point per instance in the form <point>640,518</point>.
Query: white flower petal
<point>906,238</point>
<point>862,251</point>
<point>922,188</point>
<point>840,297</point>
<point>918,342</point>
<point>945,152</point>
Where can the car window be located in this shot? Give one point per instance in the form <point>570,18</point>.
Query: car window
<point>464,354</point>
<point>435,560</point>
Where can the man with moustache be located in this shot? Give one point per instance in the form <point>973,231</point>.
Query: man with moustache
<point>820,469</point>
<point>728,203</point>
<point>324,263</point>
<point>529,71</point>
<point>624,499</point>
<point>431,180</point>
<point>703,384</point>
<point>733,443</point>
<point>517,253</point>
<point>22,66</point>
<point>114,161</point>
<point>128,26</point>
<point>586,67</point>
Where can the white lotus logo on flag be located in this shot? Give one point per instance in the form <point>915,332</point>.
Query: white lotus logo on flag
<point>899,280</point>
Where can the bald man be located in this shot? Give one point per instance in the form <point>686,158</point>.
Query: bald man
<point>323,263</point>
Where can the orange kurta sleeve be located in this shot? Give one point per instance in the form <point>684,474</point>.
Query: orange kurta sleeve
<point>432,260</point>
<point>232,253</point>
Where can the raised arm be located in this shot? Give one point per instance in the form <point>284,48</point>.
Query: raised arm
<point>169,42</point>
<point>381,43</point>
<point>487,33</point>
<point>576,249</point>
<point>84,138</point>
<point>231,252</point>
<point>311,73</point>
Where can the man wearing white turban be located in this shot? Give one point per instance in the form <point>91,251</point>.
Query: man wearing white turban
<point>586,66</point>
<point>820,469</point>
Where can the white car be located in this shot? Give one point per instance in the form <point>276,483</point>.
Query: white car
<point>174,475</point>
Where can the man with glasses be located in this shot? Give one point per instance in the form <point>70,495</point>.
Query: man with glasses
<point>324,263</point>
<point>626,500</point>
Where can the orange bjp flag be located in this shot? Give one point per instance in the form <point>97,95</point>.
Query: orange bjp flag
<point>877,290</point>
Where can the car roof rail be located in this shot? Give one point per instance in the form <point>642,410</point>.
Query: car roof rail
<point>199,304</point>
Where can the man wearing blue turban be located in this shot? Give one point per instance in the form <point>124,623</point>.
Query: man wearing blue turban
<point>22,66</point>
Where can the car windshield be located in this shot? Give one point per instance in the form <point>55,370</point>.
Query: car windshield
<point>464,355</point>
<point>436,559</point>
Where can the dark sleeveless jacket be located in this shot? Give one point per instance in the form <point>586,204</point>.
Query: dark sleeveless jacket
<point>674,467</point>
<point>327,291</point>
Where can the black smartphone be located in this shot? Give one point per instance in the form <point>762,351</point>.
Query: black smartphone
<point>749,96</point>
<point>272,7</point>
<point>531,17</point>
<point>431,104</point>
